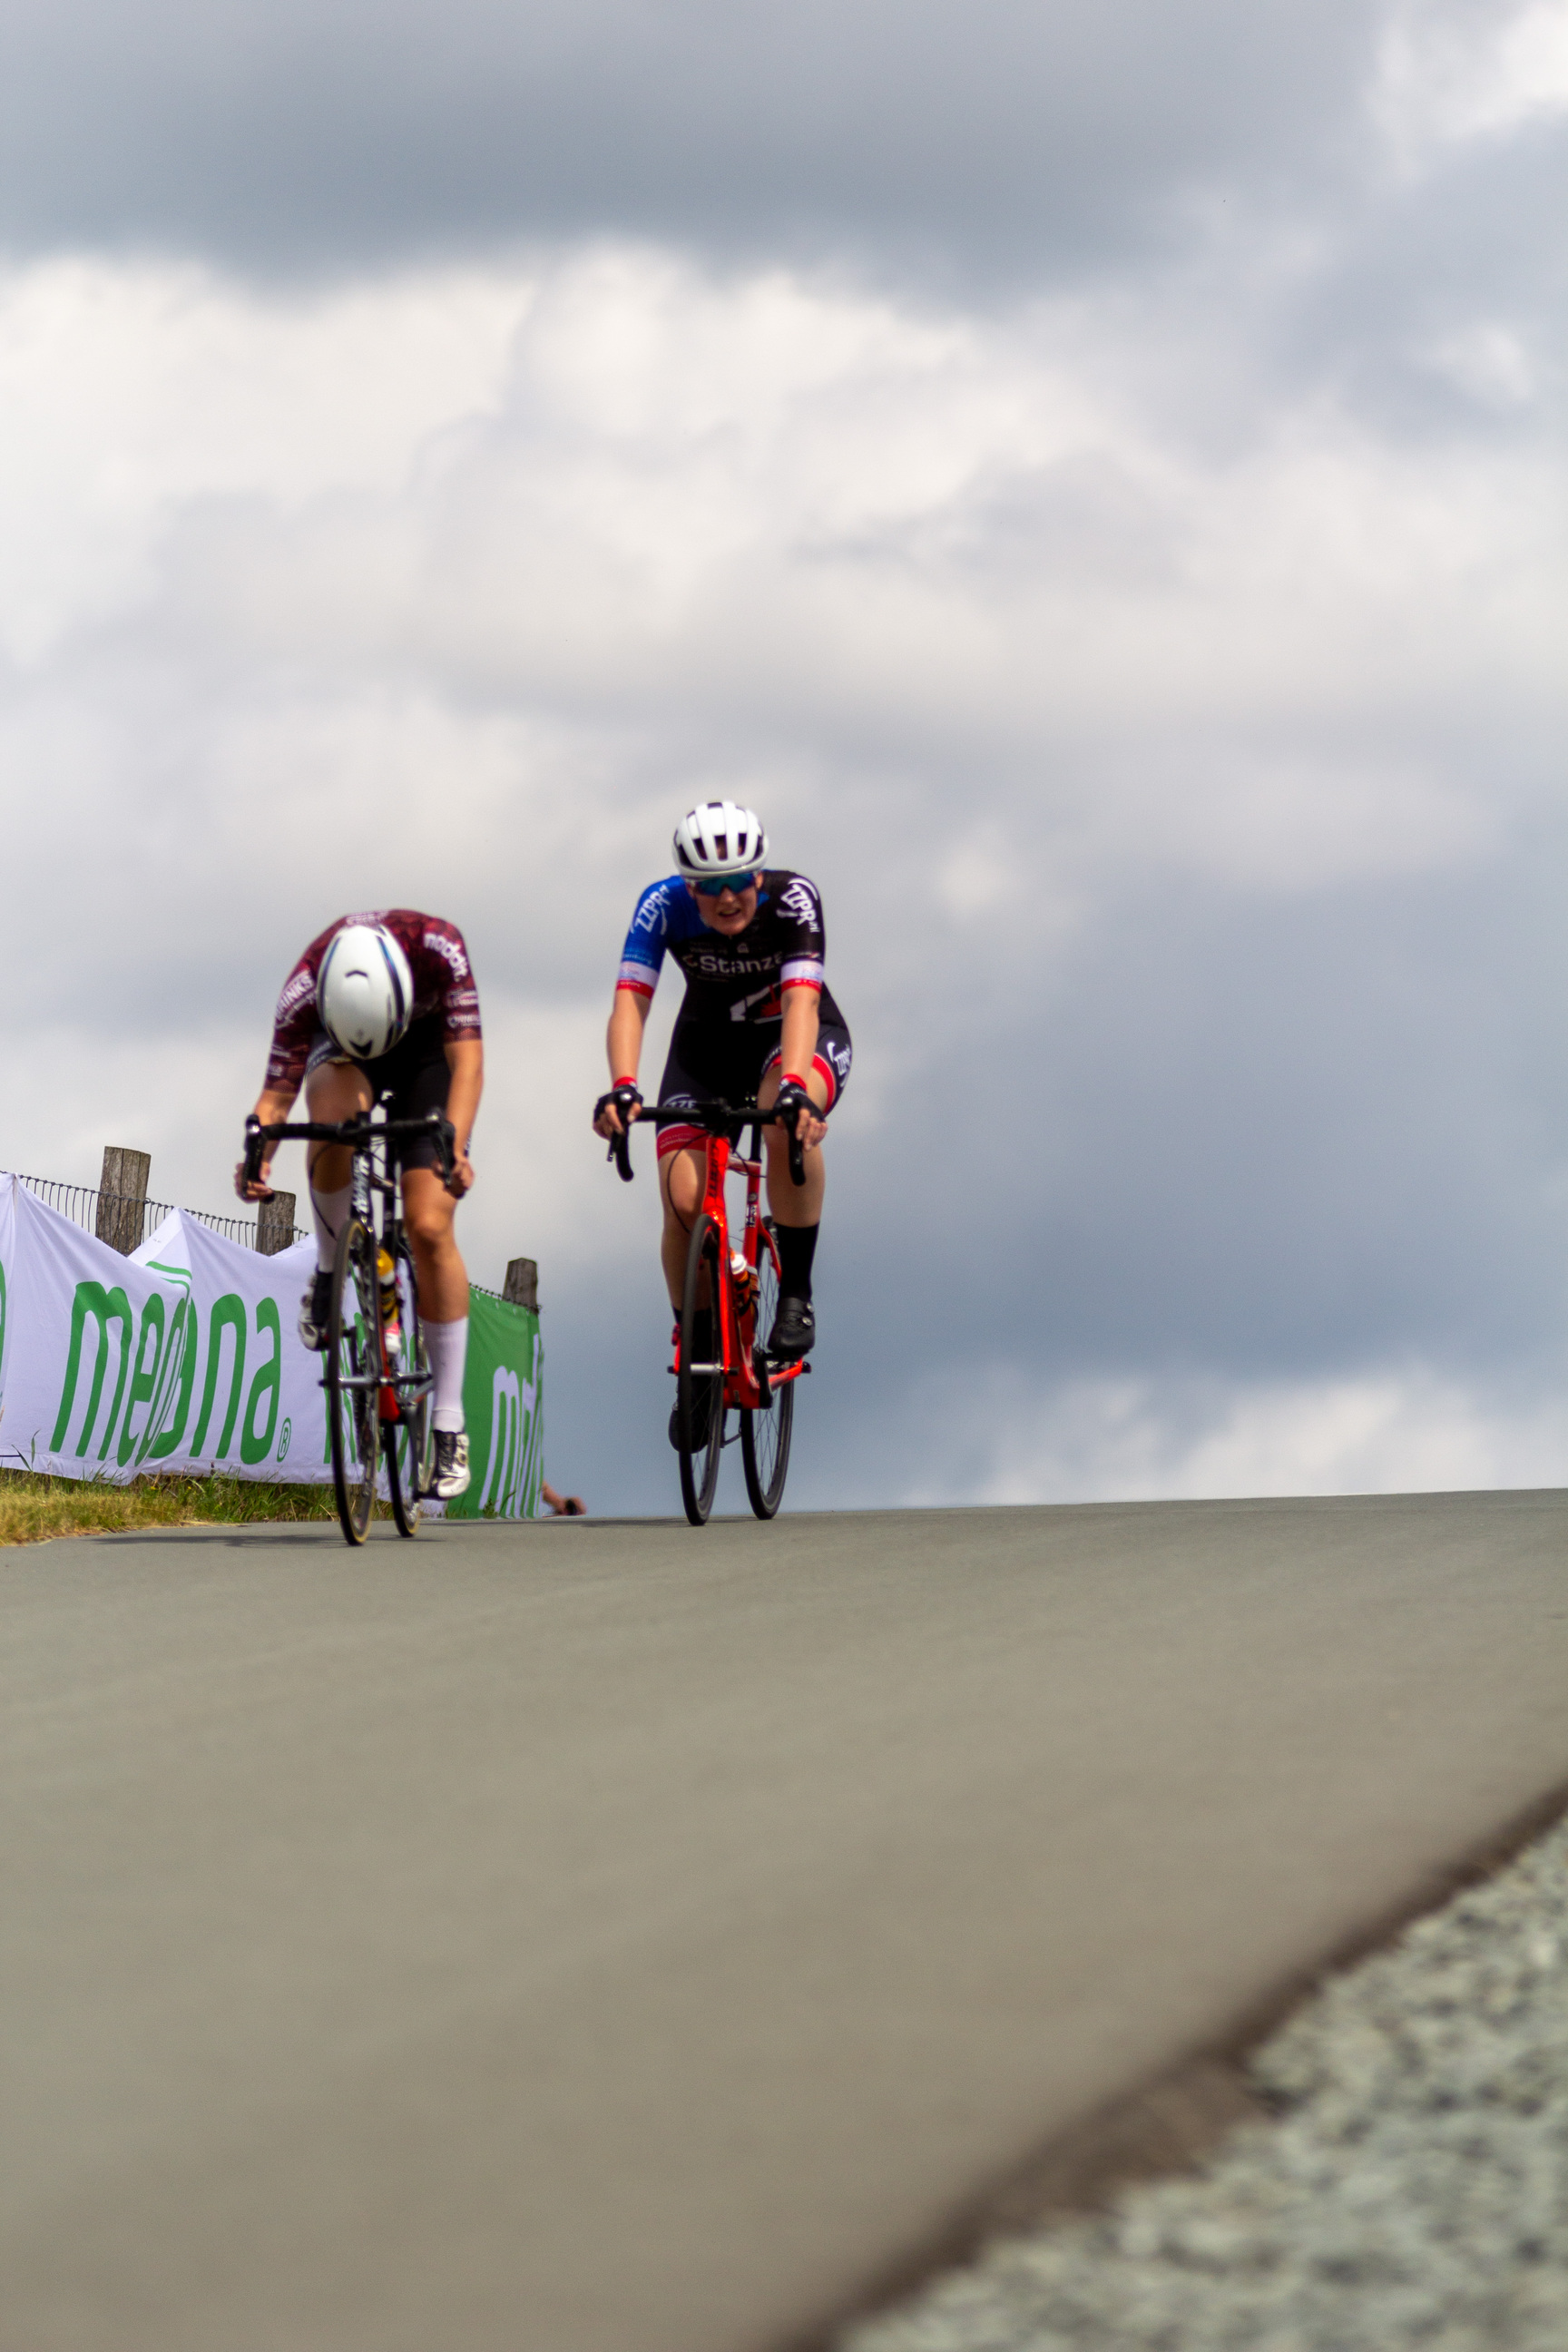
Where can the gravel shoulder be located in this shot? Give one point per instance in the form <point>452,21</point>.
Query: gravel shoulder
<point>1412,2189</point>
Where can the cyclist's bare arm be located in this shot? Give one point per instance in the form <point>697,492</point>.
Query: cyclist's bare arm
<point>273,1104</point>
<point>797,1044</point>
<point>466,1061</point>
<point>623,1043</point>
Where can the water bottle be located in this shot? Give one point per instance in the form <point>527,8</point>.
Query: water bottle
<point>386,1277</point>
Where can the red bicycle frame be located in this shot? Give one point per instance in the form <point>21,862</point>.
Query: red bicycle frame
<point>735,1323</point>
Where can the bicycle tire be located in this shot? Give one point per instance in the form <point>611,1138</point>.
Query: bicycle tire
<point>353,1345</point>
<point>765,1436</point>
<point>409,1443</point>
<point>700,1465</point>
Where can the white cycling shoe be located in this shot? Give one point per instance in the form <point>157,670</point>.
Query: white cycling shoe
<point>451,1474</point>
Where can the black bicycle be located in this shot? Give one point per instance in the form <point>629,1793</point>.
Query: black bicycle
<point>376,1373</point>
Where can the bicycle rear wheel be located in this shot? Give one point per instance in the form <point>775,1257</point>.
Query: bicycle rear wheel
<point>765,1436</point>
<point>699,1396</point>
<point>409,1443</point>
<point>354,1358</point>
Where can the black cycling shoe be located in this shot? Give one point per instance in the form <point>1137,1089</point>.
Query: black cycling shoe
<point>315,1312</point>
<point>702,1416</point>
<point>794,1334</point>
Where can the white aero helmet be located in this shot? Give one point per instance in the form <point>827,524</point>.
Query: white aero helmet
<point>364,991</point>
<point>718,840</point>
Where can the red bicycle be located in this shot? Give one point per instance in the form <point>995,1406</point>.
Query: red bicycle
<point>739,1289</point>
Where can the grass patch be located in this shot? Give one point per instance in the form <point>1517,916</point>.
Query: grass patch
<point>34,1508</point>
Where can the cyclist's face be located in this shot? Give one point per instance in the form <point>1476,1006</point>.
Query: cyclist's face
<point>731,912</point>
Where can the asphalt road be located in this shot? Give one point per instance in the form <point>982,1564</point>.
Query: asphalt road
<point>580,1938</point>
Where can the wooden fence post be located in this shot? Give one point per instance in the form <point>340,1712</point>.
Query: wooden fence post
<point>521,1287</point>
<point>122,1198</point>
<point>274,1225</point>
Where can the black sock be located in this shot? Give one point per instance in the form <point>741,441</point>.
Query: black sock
<point>797,1247</point>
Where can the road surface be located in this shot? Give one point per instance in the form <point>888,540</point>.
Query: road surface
<point>625,1939</point>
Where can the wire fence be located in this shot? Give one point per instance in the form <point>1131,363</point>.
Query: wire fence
<point>79,1203</point>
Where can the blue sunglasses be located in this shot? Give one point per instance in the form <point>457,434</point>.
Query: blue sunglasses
<point>714,886</point>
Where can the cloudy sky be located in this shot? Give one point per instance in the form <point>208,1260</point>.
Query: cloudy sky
<point>1091,474</point>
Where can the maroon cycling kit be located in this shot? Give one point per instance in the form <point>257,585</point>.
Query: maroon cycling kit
<point>446,1000</point>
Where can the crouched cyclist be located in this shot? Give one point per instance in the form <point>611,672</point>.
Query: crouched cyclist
<point>383,1008</point>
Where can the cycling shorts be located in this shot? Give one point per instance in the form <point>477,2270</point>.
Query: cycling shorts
<point>708,1064</point>
<point>411,1080</point>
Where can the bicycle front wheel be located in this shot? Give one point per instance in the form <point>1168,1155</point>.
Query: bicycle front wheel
<point>765,1436</point>
<point>699,1396</point>
<point>409,1443</point>
<point>354,1358</point>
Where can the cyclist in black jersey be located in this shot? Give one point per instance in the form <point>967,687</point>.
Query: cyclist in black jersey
<point>757,1018</point>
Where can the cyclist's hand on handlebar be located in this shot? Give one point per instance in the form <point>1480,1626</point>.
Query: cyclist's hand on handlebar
<point>250,1176</point>
<point>613,1112</point>
<point>797,1111</point>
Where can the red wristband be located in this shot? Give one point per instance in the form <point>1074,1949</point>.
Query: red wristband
<point>790,1079</point>
<point>626,1082</point>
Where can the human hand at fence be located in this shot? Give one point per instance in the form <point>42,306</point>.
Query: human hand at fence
<point>562,1507</point>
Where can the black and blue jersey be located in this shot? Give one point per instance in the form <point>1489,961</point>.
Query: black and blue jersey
<point>743,979</point>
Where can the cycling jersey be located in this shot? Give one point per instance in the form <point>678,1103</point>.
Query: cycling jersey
<point>741,979</point>
<point>443,984</point>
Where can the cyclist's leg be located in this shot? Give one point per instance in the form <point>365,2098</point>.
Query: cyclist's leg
<point>418,1084</point>
<point>681,1171</point>
<point>334,1089</point>
<point>696,1070</point>
<point>428,1215</point>
<point>797,1209</point>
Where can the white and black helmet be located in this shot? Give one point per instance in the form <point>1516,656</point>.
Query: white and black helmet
<point>364,991</point>
<point>720,839</point>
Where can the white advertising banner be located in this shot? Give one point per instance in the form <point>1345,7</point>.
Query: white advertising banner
<point>183,1357</point>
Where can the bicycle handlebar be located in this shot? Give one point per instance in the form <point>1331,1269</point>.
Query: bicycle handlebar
<point>714,1117</point>
<point>359,1134</point>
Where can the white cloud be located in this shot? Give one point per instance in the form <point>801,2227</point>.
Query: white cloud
<point>769,525</point>
<point>130,393</point>
<point>1448,74</point>
<point>1399,1430</point>
<point>449,588</point>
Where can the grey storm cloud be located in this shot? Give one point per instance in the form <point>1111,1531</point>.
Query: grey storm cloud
<point>1131,584</point>
<point>1012,133</point>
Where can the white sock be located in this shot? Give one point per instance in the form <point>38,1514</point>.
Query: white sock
<point>447,1347</point>
<point>328,1210</point>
